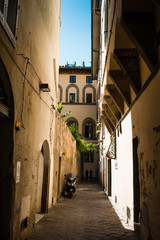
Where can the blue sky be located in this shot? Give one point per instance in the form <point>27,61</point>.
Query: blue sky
<point>75,34</point>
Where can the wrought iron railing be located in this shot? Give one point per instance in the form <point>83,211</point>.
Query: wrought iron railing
<point>111,153</point>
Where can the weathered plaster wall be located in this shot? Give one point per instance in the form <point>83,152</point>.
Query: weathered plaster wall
<point>38,45</point>
<point>122,172</point>
<point>66,158</point>
<point>145,124</point>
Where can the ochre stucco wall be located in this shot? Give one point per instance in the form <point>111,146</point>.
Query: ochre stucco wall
<point>66,158</point>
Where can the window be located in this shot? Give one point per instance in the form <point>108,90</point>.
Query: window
<point>106,22</point>
<point>89,156</point>
<point>72,79</point>
<point>88,79</point>
<point>72,122</point>
<point>8,16</point>
<point>72,97</point>
<point>88,97</point>
<point>88,129</point>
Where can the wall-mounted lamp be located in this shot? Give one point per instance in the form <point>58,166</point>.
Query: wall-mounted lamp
<point>45,87</point>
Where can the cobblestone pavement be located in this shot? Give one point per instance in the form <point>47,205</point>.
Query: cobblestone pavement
<point>87,216</point>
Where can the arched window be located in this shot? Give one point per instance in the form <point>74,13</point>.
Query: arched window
<point>72,95</point>
<point>88,128</point>
<point>89,94</point>
<point>72,120</point>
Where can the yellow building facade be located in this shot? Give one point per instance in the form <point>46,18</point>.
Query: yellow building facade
<point>78,94</point>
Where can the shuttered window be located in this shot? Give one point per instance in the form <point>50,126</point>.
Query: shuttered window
<point>8,17</point>
<point>72,79</point>
<point>1,5</point>
<point>88,79</point>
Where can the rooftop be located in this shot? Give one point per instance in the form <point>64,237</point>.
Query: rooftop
<point>72,68</point>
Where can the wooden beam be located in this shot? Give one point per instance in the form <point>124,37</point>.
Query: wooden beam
<point>108,120</point>
<point>121,83</point>
<point>116,97</point>
<point>109,114</point>
<point>112,107</point>
<point>106,124</point>
<point>128,60</point>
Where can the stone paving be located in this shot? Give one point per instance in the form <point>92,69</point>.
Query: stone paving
<point>87,216</point>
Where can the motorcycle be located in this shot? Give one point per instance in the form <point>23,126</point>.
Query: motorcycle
<point>70,185</point>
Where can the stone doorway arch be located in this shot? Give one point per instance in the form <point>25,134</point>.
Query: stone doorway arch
<point>7,182</point>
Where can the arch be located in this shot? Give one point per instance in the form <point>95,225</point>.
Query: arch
<point>67,89</point>
<point>72,120</point>
<point>44,170</point>
<point>7,182</point>
<point>88,121</point>
<point>61,92</point>
<point>94,92</point>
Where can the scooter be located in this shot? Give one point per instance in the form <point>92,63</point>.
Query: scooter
<point>70,185</point>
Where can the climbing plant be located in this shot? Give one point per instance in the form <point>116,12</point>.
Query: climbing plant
<point>59,109</point>
<point>81,143</point>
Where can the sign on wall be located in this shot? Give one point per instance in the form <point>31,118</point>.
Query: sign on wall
<point>18,170</point>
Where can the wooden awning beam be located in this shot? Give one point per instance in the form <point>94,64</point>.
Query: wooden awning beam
<point>116,97</point>
<point>122,84</point>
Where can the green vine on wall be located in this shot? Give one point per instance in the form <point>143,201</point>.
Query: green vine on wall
<point>81,143</point>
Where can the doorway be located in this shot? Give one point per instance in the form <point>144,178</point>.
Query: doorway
<point>59,178</point>
<point>43,179</point>
<point>7,183</point>
<point>109,187</point>
<point>136,187</point>
<point>40,183</point>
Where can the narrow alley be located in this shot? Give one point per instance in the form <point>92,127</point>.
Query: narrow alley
<point>88,215</point>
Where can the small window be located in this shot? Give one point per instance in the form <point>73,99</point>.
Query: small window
<point>88,79</point>
<point>89,156</point>
<point>72,97</point>
<point>8,17</point>
<point>106,22</point>
<point>88,129</point>
<point>88,97</point>
<point>72,79</point>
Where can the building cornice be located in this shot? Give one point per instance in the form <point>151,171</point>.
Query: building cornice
<point>68,103</point>
<point>74,70</point>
